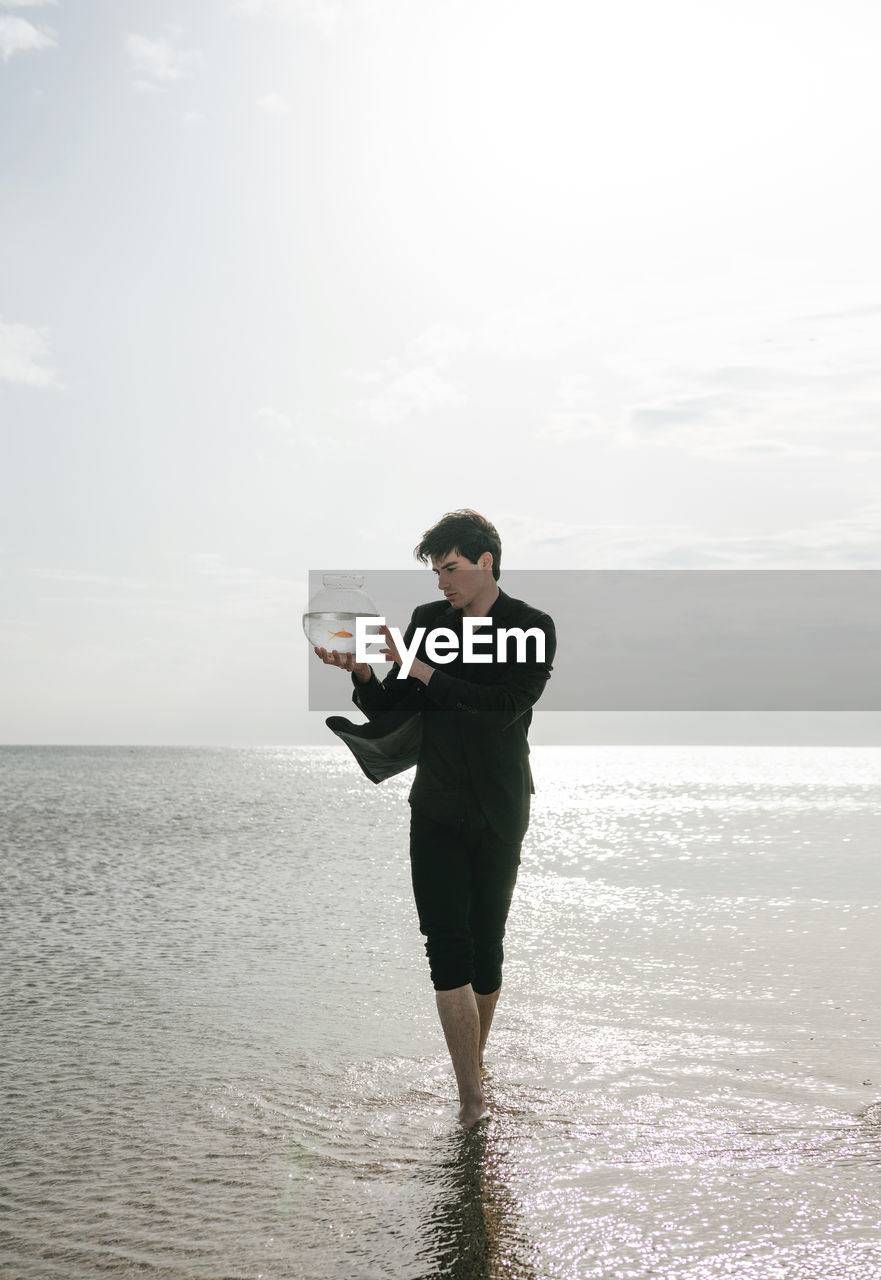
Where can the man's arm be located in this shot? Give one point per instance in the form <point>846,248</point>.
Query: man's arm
<point>374,697</point>
<point>498,704</point>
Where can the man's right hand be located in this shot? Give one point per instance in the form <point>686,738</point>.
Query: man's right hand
<point>346,662</point>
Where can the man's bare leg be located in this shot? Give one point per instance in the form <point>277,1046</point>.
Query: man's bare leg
<point>486,1007</point>
<point>461,1023</point>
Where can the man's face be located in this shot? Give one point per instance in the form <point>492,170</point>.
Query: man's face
<point>461,579</point>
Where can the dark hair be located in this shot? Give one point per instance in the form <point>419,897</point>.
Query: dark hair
<point>464,531</point>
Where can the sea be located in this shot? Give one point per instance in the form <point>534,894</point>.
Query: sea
<point>220,1056</point>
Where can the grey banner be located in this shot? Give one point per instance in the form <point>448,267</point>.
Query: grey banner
<point>674,640</point>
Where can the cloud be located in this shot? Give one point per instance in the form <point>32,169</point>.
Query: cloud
<point>274,419</point>
<point>159,63</point>
<point>21,350</point>
<point>17,35</point>
<point>541,331</point>
<point>282,428</point>
<point>544,330</point>
<point>399,392</point>
<point>255,593</point>
<point>764,412</point>
<point>417,391</point>
<point>851,541</point>
<point>812,393</point>
<point>243,592</point>
<point>88,577</point>
<point>274,104</point>
<point>564,425</point>
<point>439,342</point>
<point>865,311</point>
<point>322,14</point>
<point>575,415</point>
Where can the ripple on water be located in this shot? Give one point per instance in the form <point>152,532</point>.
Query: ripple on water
<point>222,1057</point>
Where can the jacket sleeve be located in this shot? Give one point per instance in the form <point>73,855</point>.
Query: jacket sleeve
<point>505,701</point>
<point>374,697</point>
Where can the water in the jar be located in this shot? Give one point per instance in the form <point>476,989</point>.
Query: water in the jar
<point>332,630</point>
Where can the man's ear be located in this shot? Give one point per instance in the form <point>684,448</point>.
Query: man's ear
<point>486,560</point>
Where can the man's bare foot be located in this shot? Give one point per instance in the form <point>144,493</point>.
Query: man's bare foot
<point>471,1112</point>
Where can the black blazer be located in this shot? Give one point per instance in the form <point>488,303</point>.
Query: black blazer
<point>491,703</point>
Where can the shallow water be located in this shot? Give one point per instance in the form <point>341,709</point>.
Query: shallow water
<point>220,1053</point>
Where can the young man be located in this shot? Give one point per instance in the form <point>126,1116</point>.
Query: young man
<point>470,797</point>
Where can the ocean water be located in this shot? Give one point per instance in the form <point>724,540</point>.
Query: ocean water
<point>220,1054</point>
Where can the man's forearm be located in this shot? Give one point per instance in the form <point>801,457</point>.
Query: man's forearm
<point>421,670</point>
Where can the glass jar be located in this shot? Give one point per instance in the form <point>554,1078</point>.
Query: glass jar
<point>329,621</point>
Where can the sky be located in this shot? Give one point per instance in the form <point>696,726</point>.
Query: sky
<point>283,281</point>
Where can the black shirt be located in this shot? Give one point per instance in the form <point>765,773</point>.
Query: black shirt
<point>473,762</point>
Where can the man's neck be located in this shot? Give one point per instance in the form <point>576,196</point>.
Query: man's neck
<point>480,607</point>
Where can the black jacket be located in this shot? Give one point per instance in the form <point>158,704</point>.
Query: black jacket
<point>473,761</point>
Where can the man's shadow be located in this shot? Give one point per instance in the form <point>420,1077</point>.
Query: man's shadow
<point>475,1231</point>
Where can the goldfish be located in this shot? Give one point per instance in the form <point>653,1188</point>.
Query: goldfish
<point>340,635</point>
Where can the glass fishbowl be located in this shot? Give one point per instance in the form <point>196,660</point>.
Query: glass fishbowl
<point>329,621</point>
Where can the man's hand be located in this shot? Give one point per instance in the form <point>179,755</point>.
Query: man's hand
<point>390,649</point>
<point>419,670</point>
<point>346,662</point>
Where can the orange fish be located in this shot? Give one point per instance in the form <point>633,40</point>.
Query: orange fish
<point>341,635</point>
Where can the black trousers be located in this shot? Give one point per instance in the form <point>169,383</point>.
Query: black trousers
<point>463,881</point>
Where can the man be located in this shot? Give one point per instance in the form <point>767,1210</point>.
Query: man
<point>470,797</point>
